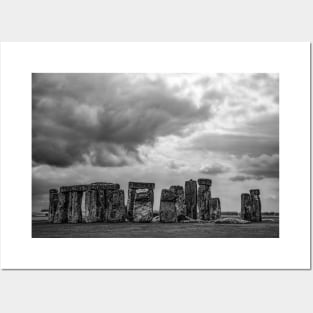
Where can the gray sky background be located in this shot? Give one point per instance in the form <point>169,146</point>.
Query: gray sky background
<point>162,128</point>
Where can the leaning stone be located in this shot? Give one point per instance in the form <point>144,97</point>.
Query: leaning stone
<point>143,206</point>
<point>130,203</point>
<point>168,212</point>
<point>53,204</point>
<point>191,198</point>
<point>116,207</point>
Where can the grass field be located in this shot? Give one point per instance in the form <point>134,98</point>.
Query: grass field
<point>266,229</point>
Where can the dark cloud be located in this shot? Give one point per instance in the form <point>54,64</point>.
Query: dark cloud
<point>243,178</point>
<point>103,118</point>
<point>266,166</point>
<point>213,169</point>
<point>236,144</point>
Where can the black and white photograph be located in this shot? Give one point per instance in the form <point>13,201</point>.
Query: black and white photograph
<point>155,155</point>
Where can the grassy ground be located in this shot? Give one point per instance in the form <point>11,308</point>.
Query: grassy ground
<point>266,229</point>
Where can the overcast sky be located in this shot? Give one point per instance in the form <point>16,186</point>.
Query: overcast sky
<point>162,128</point>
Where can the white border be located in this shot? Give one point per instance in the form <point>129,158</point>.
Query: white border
<point>290,251</point>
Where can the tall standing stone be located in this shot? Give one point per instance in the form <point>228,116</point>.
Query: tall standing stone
<point>116,206</point>
<point>180,201</point>
<point>191,198</point>
<point>204,195</point>
<point>256,214</point>
<point>64,202</point>
<point>245,207</point>
<point>53,204</point>
<point>168,212</point>
<point>76,207</point>
<point>140,201</point>
<point>215,208</point>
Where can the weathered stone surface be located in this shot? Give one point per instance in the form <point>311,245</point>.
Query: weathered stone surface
<point>191,198</point>
<point>245,207</point>
<point>140,185</point>
<point>215,208</point>
<point>205,181</point>
<point>108,186</point>
<point>75,211</point>
<point>256,214</point>
<point>143,206</point>
<point>53,204</point>
<point>116,207</point>
<point>180,201</point>
<point>204,195</point>
<point>130,203</point>
<point>64,203</point>
<point>168,213</point>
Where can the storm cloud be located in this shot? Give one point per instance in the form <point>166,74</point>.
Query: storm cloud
<point>103,118</point>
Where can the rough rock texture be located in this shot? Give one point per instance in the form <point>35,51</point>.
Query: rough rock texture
<point>75,212</point>
<point>215,208</point>
<point>180,201</point>
<point>140,185</point>
<point>168,212</point>
<point>130,203</point>
<point>205,181</point>
<point>133,195</point>
<point>64,203</point>
<point>143,206</point>
<point>53,204</point>
<point>245,213</point>
<point>92,206</point>
<point>204,195</point>
<point>256,214</point>
<point>116,208</point>
<point>191,198</point>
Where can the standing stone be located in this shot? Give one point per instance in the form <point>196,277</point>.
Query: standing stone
<point>256,214</point>
<point>180,201</point>
<point>97,202</point>
<point>215,208</point>
<point>64,203</point>
<point>116,207</point>
<point>191,198</point>
<point>204,195</point>
<point>143,206</point>
<point>168,212</point>
<point>245,207</point>
<point>53,204</point>
<point>140,201</point>
<point>76,207</point>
